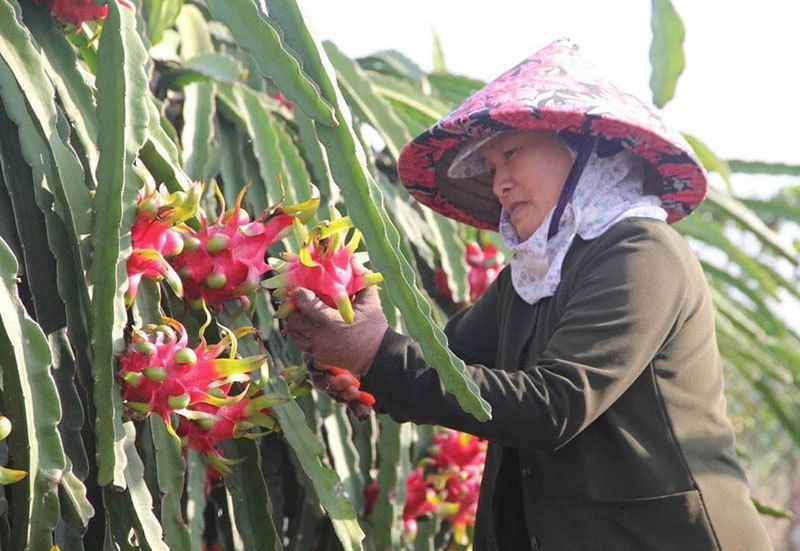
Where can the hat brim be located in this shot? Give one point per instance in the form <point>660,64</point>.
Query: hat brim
<point>530,97</point>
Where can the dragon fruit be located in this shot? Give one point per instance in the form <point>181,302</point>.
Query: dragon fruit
<point>458,459</point>
<point>484,266</point>
<point>334,271</point>
<point>224,260</point>
<point>157,233</point>
<point>78,12</point>
<point>421,499</point>
<point>160,374</point>
<point>208,425</point>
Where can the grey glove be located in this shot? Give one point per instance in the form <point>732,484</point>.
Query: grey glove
<point>319,330</point>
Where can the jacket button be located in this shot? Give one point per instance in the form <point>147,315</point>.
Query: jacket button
<point>526,472</point>
<point>535,544</point>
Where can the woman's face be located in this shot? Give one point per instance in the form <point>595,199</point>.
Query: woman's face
<point>529,168</point>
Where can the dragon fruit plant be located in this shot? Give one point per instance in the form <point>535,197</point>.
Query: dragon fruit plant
<point>77,12</point>
<point>224,260</point>
<point>214,397</point>
<point>327,266</point>
<point>157,234</point>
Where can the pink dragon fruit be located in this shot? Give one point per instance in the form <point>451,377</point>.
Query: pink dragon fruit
<point>77,12</point>
<point>160,374</point>
<point>157,234</point>
<point>453,448</point>
<point>225,260</point>
<point>420,500</point>
<point>208,425</point>
<point>334,271</point>
<point>484,265</point>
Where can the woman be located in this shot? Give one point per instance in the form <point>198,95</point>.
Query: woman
<point>595,348</point>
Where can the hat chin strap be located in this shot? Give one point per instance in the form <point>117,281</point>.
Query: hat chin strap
<point>584,146</point>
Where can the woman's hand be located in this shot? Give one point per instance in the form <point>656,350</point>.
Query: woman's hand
<point>342,386</point>
<point>319,330</point>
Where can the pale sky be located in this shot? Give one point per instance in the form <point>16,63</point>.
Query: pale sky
<point>737,93</point>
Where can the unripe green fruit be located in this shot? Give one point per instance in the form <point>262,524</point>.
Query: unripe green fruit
<point>218,243</point>
<point>185,356</point>
<point>196,304</point>
<point>215,280</point>
<point>5,427</point>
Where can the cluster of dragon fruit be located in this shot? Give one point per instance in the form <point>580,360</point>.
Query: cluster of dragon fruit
<point>484,266</point>
<point>445,484</point>
<point>209,389</point>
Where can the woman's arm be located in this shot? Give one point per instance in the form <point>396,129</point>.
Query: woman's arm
<point>472,332</point>
<point>622,309</point>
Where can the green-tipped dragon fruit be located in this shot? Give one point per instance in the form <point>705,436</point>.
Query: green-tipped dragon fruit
<point>333,270</point>
<point>8,476</point>
<point>158,233</point>
<point>214,397</point>
<point>224,260</point>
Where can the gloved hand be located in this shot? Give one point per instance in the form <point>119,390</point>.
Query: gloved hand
<point>319,330</point>
<point>341,386</point>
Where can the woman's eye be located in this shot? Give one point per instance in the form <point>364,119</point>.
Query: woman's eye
<point>510,153</point>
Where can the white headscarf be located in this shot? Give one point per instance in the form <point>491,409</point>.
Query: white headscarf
<point>609,190</point>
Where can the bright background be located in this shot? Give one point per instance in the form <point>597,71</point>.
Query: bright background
<point>738,92</point>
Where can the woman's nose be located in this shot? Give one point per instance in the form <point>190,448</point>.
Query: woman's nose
<point>501,184</point>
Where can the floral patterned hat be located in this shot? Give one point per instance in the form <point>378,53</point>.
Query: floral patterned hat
<point>554,89</point>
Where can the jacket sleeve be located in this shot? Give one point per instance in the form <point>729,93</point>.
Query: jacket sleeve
<point>472,332</point>
<point>621,308</point>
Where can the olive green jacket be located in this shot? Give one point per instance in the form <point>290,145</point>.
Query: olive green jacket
<point>609,429</point>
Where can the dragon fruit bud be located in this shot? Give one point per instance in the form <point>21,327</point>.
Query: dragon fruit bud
<point>326,266</point>
<point>5,427</point>
<point>9,476</point>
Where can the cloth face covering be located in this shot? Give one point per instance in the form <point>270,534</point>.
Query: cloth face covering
<point>609,190</point>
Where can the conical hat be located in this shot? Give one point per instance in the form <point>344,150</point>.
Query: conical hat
<point>554,89</point>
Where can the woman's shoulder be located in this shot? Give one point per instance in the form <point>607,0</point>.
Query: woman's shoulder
<point>644,242</point>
